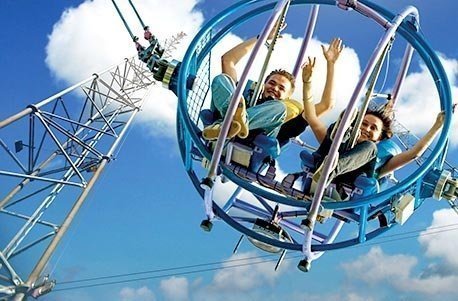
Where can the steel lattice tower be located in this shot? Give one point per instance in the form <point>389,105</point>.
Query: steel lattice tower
<point>52,153</point>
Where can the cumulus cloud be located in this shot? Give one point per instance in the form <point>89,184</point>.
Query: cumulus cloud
<point>347,68</point>
<point>418,97</point>
<point>442,243</point>
<point>141,294</point>
<point>175,288</point>
<point>245,277</point>
<point>91,37</point>
<point>375,266</point>
<point>396,271</point>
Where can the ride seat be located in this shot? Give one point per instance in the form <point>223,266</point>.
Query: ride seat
<point>250,153</point>
<point>363,185</point>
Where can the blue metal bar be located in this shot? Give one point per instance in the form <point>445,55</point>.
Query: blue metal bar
<point>362,223</point>
<point>407,32</point>
<point>230,202</point>
<point>264,203</point>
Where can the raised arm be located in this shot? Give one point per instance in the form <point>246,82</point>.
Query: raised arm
<point>230,59</point>
<point>309,113</point>
<point>233,56</point>
<point>417,150</point>
<point>331,55</point>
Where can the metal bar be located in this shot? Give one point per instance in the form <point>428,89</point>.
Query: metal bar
<point>17,175</point>
<point>72,137</point>
<point>402,73</point>
<point>120,98</point>
<point>264,203</point>
<point>30,109</point>
<point>370,91</point>
<point>65,225</point>
<point>81,124</point>
<point>270,50</point>
<point>123,20</point>
<point>333,152</point>
<point>32,244</point>
<point>83,181</point>
<point>362,223</point>
<point>232,199</point>
<point>45,204</point>
<point>307,37</point>
<point>238,92</point>
<point>31,141</point>
<point>14,276</point>
<point>27,196</point>
<point>3,144</point>
<point>22,216</point>
<point>138,16</point>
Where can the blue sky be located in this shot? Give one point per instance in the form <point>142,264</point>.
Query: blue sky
<point>144,213</point>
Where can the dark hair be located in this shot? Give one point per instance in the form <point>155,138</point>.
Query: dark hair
<point>387,131</point>
<point>286,74</point>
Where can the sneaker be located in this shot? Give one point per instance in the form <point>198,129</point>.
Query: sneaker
<point>211,132</point>
<point>240,117</point>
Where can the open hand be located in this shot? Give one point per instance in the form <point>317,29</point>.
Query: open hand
<point>335,48</point>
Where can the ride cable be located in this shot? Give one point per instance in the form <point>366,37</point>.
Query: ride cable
<point>278,27</point>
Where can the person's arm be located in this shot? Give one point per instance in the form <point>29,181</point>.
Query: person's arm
<point>417,150</point>
<point>331,54</point>
<point>233,56</point>
<point>309,113</point>
<point>230,59</point>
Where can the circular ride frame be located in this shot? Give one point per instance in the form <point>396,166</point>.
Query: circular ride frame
<point>196,62</point>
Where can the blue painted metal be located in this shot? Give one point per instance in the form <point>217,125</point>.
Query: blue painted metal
<point>367,205</point>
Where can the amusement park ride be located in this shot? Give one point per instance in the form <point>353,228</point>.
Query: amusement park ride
<point>65,145</point>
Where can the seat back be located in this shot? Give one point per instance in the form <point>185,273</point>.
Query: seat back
<point>386,149</point>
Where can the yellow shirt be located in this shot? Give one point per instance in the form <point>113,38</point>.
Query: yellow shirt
<point>293,108</point>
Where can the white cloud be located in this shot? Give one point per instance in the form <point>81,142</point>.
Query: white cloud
<point>375,266</point>
<point>342,295</point>
<point>419,98</point>
<point>141,294</point>
<point>378,268</point>
<point>91,37</point>
<point>440,239</point>
<point>175,288</point>
<point>347,68</point>
<point>244,278</point>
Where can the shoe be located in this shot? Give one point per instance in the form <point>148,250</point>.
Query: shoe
<point>240,117</point>
<point>211,132</point>
<point>317,175</point>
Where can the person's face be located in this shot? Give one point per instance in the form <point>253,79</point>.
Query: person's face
<point>277,86</point>
<point>371,129</point>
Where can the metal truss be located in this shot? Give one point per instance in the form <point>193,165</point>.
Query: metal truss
<point>51,154</point>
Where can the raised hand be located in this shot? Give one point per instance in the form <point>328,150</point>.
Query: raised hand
<point>307,69</point>
<point>333,51</point>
